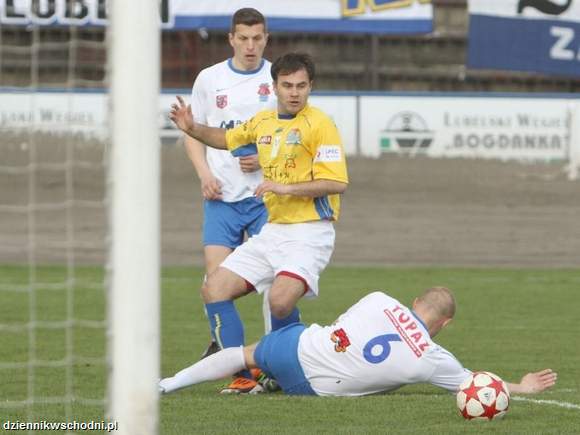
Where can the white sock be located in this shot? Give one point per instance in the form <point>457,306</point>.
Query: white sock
<point>220,365</point>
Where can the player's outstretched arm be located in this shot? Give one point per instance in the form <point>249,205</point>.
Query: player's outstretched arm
<point>211,188</point>
<point>533,383</point>
<point>181,115</point>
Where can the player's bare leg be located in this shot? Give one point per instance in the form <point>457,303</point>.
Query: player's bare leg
<point>282,298</point>
<point>285,292</point>
<point>214,256</point>
<point>249,355</point>
<point>223,285</point>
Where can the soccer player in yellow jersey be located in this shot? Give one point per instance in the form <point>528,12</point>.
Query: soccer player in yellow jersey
<point>304,167</point>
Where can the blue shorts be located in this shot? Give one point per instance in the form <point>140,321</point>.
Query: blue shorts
<point>277,356</point>
<point>224,223</point>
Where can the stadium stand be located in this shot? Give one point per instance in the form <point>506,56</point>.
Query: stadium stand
<point>433,62</point>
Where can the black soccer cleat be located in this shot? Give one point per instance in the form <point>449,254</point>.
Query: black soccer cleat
<point>211,349</point>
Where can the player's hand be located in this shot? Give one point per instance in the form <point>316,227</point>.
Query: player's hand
<point>249,163</point>
<point>211,188</point>
<point>181,115</point>
<point>272,186</point>
<point>538,381</point>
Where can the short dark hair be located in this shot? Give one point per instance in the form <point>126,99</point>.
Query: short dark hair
<point>248,17</point>
<point>292,62</point>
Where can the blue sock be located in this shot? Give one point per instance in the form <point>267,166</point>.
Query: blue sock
<point>226,326</point>
<point>293,317</point>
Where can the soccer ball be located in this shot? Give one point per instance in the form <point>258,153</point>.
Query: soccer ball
<point>483,396</point>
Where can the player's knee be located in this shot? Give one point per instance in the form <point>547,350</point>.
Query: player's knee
<point>213,290</point>
<point>222,285</point>
<point>206,292</point>
<point>280,308</point>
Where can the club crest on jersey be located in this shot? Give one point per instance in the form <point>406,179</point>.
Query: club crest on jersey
<point>290,163</point>
<point>264,92</point>
<point>265,140</point>
<point>221,101</point>
<point>340,339</point>
<point>293,137</point>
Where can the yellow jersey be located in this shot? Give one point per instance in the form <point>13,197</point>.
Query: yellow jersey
<point>294,149</point>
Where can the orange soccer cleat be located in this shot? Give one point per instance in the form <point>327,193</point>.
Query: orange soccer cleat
<point>242,385</point>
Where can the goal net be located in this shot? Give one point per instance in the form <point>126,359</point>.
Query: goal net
<point>78,250</point>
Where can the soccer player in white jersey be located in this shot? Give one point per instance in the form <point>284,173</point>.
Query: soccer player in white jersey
<point>225,95</point>
<point>378,345</point>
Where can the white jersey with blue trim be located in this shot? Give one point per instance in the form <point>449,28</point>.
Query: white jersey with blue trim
<point>377,345</point>
<point>223,96</point>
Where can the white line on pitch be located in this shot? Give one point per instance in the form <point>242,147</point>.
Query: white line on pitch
<point>547,402</point>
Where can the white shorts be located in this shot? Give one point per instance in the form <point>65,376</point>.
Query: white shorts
<point>302,249</point>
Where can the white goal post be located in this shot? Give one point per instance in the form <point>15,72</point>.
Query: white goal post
<point>134,64</point>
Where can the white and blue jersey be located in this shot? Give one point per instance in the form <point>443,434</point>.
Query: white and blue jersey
<point>378,345</point>
<point>223,96</point>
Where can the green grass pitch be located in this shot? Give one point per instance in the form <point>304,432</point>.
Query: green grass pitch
<point>508,321</point>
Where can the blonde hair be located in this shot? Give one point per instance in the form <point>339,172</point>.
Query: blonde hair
<point>440,301</point>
